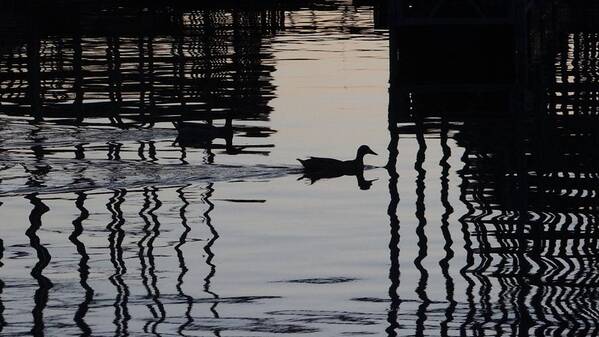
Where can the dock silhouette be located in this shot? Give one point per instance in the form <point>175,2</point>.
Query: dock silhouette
<point>502,98</point>
<point>137,64</point>
<point>516,89</point>
<point>507,59</point>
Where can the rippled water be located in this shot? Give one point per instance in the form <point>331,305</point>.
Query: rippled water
<point>113,230</point>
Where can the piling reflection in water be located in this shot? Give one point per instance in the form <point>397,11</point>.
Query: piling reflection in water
<point>529,231</point>
<point>126,261</point>
<point>181,257</point>
<point>43,256</point>
<point>527,182</point>
<point>196,63</point>
<point>533,216</point>
<point>115,238</point>
<point>127,65</point>
<point>145,258</point>
<point>83,308</point>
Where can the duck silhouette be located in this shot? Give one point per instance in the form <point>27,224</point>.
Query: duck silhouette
<point>316,168</point>
<point>202,135</point>
<point>190,132</point>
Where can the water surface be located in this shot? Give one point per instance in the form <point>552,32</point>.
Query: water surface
<point>115,228</point>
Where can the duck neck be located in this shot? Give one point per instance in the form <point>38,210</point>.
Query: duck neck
<point>359,160</point>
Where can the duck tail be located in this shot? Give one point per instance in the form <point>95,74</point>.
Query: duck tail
<point>303,162</point>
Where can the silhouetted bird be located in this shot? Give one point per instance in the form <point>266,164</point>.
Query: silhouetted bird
<point>319,168</point>
<point>198,133</point>
<point>335,166</point>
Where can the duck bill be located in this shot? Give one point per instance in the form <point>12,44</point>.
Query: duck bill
<point>372,152</point>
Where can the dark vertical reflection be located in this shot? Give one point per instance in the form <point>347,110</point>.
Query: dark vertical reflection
<point>478,229</point>
<point>78,74</point>
<point>38,149</point>
<point>183,157</point>
<point>83,307</point>
<point>80,151</point>
<point>448,210</point>
<point>422,239</point>
<point>115,81</point>
<point>115,239</point>
<point>209,157</point>
<point>523,234</point>
<point>114,150</point>
<point>147,260</point>
<point>394,269</point>
<point>142,77</point>
<point>530,213</point>
<point>140,150</point>
<point>92,64</point>
<point>34,95</point>
<point>182,266</point>
<point>43,256</point>
<point>466,269</point>
<point>151,76</point>
<point>209,254</point>
<point>2,285</point>
<point>152,151</point>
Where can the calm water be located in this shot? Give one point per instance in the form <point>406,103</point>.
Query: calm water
<point>125,231</point>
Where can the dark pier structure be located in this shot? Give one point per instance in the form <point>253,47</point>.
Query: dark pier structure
<point>514,83</point>
<point>480,58</point>
<point>127,61</point>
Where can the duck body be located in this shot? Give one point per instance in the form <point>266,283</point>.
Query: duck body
<point>316,168</point>
<point>198,134</point>
<point>202,131</point>
<point>333,166</point>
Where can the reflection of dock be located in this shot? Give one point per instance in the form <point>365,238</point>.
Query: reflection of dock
<point>526,118</point>
<point>133,65</point>
<point>139,267</point>
<point>528,211</point>
<point>534,212</point>
<point>486,58</point>
<point>141,64</point>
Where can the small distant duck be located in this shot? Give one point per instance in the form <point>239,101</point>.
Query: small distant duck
<point>328,167</point>
<point>191,134</point>
<point>203,131</point>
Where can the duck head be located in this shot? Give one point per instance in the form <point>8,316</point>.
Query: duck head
<point>364,150</point>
